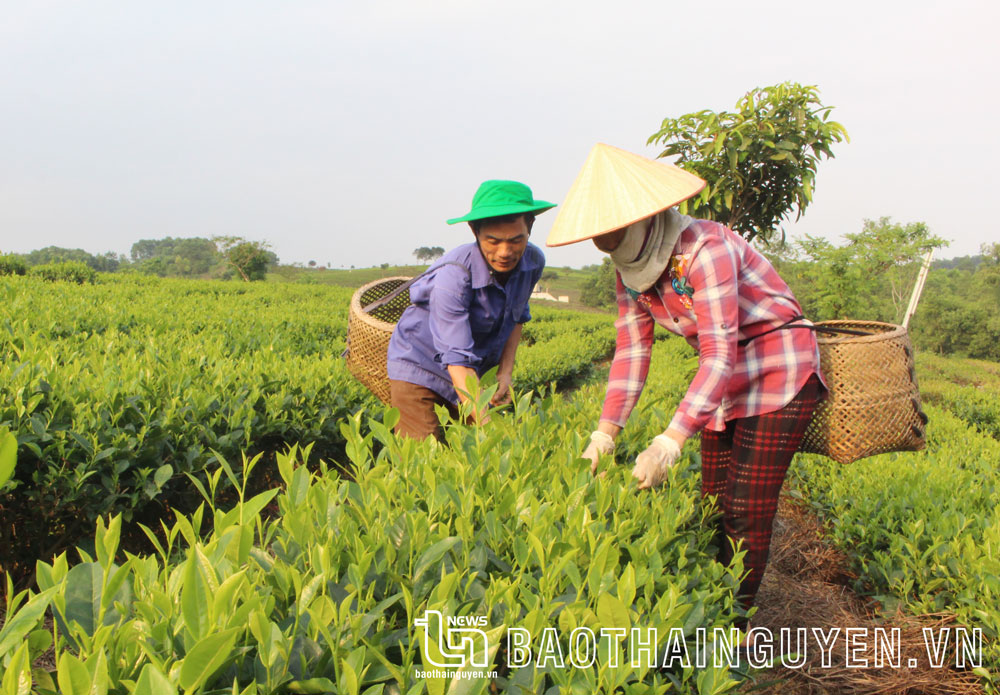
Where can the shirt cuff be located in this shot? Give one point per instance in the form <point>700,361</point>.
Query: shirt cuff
<point>684,423</point>
<point>459,358</point>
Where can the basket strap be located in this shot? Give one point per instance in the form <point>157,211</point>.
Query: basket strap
<point>406,285</point>
<point>395,293</point>
<point>790,323</point>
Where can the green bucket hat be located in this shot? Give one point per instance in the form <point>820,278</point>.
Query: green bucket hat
<point>498,198</point>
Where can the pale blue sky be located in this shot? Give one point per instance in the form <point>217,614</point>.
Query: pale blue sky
<point>348,132</point>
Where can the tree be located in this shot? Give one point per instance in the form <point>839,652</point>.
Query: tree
<point>869,277</point>
<point>599,290</point>
<point>760,161</point>
<point>250,259</point>
<point>12,264</point>
<point>171,256</point>
<point>107,262</point>
<point>989,275</point>
<point>428,253</point>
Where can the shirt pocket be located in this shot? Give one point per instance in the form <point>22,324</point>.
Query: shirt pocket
<point>483,321</point>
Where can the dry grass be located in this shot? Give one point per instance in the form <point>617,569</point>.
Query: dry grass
<point>807,585</point>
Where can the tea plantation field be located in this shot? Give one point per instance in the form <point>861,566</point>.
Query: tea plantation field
<point>245,522</point>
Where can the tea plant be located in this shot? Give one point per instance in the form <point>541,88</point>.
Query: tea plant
<point>503,522</point>
<point>116,392</point>
<point>922,529</point>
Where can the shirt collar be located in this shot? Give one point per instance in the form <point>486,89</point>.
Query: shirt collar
<point>482,274</point>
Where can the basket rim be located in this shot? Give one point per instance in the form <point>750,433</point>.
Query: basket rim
<point>358,312</point>
<point>889,331</point>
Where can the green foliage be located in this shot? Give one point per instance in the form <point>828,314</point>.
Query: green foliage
<point>599,291</point>
<point>119,394</point>
<point>958,315</point>
<point>117,391</point>
<point>869,277</point>
<point>248,259</point>
<point>759,161</point>
<point>102,263</point>
<point>8,456</point>
<point>922,529</point>
<point>561,347</point>
<point>12,264</point>
<point>505,522</point>
<point>960,262</point>
<point>872,275</point>
<point>66,271</point>
<point>426,254</point>
<point>969,389</point>
<point>341,277</point>
<point>170,257</point>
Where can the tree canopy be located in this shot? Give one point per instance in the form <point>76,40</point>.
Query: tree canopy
<point>189,257</point>
<point>428,253</point>
<point>870,276</point>
<point>599,290</point>
<point>106,262</point>
<point>759,160</point>
<point>249,259</point>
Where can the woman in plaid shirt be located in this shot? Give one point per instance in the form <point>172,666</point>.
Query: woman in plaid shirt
<point>756,386</point>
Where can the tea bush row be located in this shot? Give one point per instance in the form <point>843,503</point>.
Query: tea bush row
<point>65,271</point>
<point>120,390</point>
<point>116,391</point>
<point>976,405</point>
<point>970,389</point>
<point>923,529</point>
<point>504,522</point>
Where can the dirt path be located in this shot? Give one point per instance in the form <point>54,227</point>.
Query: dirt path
<point>807,584</point>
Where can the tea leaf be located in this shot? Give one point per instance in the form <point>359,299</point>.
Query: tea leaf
<point>153,682</point>
<point>206,657</point>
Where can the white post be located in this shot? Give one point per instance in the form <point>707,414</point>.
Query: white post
<point>918,288</point>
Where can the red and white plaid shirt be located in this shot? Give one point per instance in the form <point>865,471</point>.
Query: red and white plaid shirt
<point>737,294</point>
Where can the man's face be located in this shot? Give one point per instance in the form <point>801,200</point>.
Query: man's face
<point>503,243</point>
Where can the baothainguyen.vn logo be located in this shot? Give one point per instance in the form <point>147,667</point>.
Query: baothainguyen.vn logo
<point>456,646</point>
<point>459,647</point>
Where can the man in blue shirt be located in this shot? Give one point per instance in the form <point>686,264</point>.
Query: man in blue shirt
<point>466,312</point>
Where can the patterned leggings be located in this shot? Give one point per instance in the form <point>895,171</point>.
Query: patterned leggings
<point>744,466</point>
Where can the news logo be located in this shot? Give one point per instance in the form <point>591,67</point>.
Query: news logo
<point>455,642</point>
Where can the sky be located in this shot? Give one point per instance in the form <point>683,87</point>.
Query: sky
<point>348,132</point>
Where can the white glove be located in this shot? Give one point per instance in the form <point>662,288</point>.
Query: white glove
<point>652,464</point>
<point>600,443</point>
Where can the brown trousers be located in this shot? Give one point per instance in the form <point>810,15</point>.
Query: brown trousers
<point>417,418</point>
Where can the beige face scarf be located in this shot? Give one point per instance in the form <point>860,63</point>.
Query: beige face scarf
<point>641,260</point>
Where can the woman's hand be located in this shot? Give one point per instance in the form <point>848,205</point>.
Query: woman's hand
<point>600,443</point>
<point>651,465</point>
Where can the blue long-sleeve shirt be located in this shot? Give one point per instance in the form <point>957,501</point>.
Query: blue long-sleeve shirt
<point>460,316</point>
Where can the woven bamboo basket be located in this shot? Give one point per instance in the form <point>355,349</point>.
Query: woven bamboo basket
<point>873,406</point>
<point>368,333</point>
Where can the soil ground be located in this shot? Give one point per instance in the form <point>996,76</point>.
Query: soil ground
<point>807,584</point>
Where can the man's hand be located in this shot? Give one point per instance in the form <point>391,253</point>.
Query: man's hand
<point>502,396</point>
<point>651,465</point>
<point>600,443</point>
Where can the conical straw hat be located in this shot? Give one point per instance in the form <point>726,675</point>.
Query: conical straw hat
<point>615,189</point>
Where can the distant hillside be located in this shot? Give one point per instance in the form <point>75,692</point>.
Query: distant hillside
<point>555,280</point>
